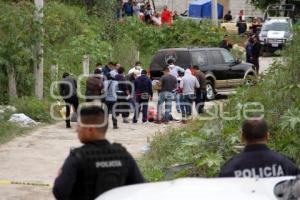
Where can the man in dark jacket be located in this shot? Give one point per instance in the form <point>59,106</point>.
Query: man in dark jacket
<point>97,166</point>
<point>258,160</point>
<point>256,53</point>
<point>225,43</point>
<point>201,91</point>
<point>94,86</point>
<point>242,25</point>
<point>68,90</point>
<point>123,94</point>
<point>143,93</point>
<point>228,17</point>
<point>106,70</point>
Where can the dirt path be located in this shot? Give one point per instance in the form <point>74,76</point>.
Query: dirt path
<point>38,156</point>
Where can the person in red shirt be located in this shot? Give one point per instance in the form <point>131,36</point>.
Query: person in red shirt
<point>166,16</point>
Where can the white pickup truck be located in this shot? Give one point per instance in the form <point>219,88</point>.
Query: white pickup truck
<point>275,32</point>
<point>280,188</point>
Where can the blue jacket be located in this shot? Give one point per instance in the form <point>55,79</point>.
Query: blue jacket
<point>143,84</point>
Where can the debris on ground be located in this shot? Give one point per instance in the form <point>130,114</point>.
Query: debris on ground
<point>22,119</point>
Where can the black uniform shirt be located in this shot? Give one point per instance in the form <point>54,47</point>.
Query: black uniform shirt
<point>65,182</point>
<point>259,161</point>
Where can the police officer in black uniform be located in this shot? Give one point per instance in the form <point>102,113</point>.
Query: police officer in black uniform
<point>98,165</point>
<point>68,90</point>
<point>258,160</point>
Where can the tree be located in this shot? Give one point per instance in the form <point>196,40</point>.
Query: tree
<point>16,22</point>
<point>39,61</point>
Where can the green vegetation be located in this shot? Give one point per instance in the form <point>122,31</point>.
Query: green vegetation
<point>203,146</point>
<point>73,29</point>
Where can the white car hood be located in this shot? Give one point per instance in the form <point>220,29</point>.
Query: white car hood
<point>276,34</point>
<point>199,188</point>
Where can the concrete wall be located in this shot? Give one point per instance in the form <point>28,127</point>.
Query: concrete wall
<point>175,5</point>
<point>236,5</point>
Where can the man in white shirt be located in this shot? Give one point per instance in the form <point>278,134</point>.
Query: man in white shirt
<point>174,70</point>
<point>137,67</point>
<point>188,85</point>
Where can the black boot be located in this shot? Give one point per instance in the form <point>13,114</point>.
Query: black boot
<point>68,124</point>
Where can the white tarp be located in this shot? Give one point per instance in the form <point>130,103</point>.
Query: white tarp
<point>22,119</point>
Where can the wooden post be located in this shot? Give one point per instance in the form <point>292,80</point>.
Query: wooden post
<point>12,84</point>
<point>86,65</point>
<point>54,72</point>
<point>39,52</point>
<point>214,12</point>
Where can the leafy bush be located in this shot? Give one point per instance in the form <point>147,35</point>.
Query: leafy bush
<point>36,109</point>
<point>200,148</point>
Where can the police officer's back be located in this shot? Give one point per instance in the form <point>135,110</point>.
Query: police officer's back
<point>98,165</point>
<point>258,160</point>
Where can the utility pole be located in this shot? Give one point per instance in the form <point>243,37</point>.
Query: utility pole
<point>39,51</point>
<point>214,12</point>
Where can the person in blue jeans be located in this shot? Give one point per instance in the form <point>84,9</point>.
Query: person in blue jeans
<point>168,84</point>
<point>188,84</point>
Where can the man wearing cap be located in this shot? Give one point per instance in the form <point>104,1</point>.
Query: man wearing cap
<point>257,160</point>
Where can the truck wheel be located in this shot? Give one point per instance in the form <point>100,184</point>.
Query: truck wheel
<point>250,80</point>
<point>210,89</point>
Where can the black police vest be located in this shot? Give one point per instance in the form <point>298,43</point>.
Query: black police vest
<point>102,168</point>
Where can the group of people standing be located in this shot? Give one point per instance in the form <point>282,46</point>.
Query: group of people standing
<point>185,86</point>
<point>252,47</point>
<point>146,12</point>
<point>121,93</point>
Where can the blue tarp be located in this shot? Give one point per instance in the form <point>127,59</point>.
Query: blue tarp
<point>202,9</point>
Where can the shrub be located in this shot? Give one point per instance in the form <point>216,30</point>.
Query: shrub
<point>203,146</point>
<point>34,108</point>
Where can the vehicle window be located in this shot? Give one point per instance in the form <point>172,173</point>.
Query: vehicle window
<point>276,26</point>
<point>228,58</point>
<point>216,57</point>
<point>199,58</point>
<point>182,58</point>
<point>158,61</point>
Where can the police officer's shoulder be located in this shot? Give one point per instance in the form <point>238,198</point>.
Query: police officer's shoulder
<point>76,152</point>
<point>234,160</point>
<point>284,157</point>
<point>120,147</point>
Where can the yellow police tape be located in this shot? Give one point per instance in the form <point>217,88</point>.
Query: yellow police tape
<point>26,183</point>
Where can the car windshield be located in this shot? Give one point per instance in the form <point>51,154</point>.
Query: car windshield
<point>278,26</point>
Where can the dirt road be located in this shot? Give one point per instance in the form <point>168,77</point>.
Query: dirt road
<point>38,156</point>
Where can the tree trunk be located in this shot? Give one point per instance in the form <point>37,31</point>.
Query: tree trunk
<point>39,61</point>
<point>214,12</point>
<point>86,65</point>
<point>12,84</point>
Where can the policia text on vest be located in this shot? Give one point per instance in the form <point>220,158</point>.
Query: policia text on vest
<point>98,165</point>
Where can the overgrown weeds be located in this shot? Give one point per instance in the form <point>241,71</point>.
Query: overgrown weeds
<point>200,148</point>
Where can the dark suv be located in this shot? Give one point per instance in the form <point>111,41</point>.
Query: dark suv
<point>221,68</point>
